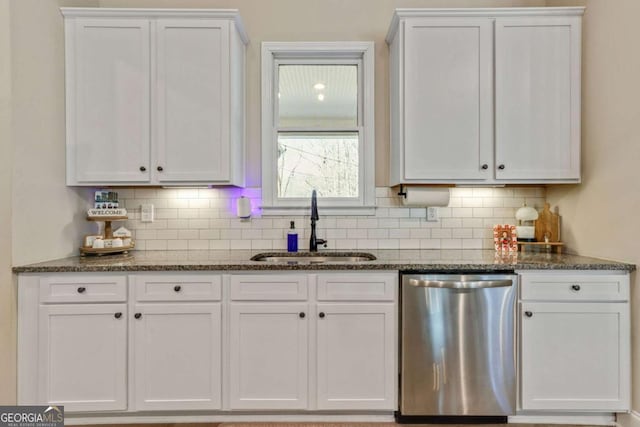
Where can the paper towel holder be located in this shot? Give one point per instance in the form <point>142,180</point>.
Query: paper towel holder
<point>402,192</point>
<point>243,208</point>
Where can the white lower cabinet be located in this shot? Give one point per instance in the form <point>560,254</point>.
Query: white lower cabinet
<point>574,356</point>
<point>355,355</point>
<point>351,363</point>
<point>82,356</point>
<point>575,343</point>
<point>177,356</point>
<point>268,355</point>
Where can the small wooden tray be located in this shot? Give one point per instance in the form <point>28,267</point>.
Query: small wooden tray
<point>105,251</point>
<point>107,218</point>
<point>557,245</point>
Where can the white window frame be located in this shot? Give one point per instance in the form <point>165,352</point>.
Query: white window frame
<point>358,53</point>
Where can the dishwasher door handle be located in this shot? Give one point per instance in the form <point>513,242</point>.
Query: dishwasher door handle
<point>460,284</point>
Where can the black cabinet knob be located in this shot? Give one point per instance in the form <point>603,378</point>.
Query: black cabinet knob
<point>485,166</point>
<point>321,315</point>
<point>143,169</point>
<point>118,315</point>
<point>302,315</point>
<point>177,288</point>
<point>501,167</point>
<point>528,314</point>
<point>160,168</point>
<point>575,287</point>
<point>81,289</point>
<point>137,315</point>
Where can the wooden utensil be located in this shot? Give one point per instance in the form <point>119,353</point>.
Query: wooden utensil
<point>548,225</point>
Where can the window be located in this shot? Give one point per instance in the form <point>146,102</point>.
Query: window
<point>317,127</point>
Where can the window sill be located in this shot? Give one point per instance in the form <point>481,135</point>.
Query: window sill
<point>323,210</point>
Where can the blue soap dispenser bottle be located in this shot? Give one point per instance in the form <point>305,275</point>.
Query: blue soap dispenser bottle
<point>292,238</point>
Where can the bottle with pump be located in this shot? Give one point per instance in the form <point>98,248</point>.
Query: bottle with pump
<point>292,238</point>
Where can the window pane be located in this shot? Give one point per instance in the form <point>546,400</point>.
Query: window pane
<point>325,162</point>
<point>318,96</point>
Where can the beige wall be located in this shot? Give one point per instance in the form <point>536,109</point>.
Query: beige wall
<point>600,217</point>
<point>317,20</point>
<point>48,219</point>
<point>7,289</point>
<point>40,218</point>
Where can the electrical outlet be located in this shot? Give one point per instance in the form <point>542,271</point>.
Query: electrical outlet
<point>146,213</point>
<point>432,214</point>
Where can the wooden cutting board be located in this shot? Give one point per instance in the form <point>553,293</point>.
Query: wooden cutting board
<point>548,224</point>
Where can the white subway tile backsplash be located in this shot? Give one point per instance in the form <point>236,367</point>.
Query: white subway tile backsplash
<point>156,245</point>
<point>177,245</point>
<point>204,219</point>
<point>209,234</point>
<point>219,245</point>
<point>471,202</point>
<point>356,233</point>
<point>167,234</point>
<point>199,223</point>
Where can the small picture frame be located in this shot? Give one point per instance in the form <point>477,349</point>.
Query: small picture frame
<point>505,238</point>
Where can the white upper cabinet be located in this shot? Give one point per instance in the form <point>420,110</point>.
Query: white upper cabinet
<point>154,97</point>
<point>108,100</point>
<point>447,112</point>
<point>482,96</point>
<point>538,98</point>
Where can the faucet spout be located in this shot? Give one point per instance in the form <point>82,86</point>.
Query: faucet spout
<point>314,241</point>
<point>314,206</point>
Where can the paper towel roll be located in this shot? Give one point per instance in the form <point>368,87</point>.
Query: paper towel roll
<point>244,207</point>
<point>428,197</point>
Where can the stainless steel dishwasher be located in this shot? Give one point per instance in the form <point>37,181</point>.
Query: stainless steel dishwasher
<point>458,345</point>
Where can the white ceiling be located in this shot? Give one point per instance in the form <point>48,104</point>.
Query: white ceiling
<point>299,99</point>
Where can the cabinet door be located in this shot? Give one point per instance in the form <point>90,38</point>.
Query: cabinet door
<point>83,357</point>
<point>191,98</point>
<point>538,98</point>
<point>107,101</point>
<point>268,356</point>
<point>177,356</point>
<point>575,356</point>
<point>448,114</point>
<point>356,356</point>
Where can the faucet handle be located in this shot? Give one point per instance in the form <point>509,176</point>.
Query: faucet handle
<point>322,242</point>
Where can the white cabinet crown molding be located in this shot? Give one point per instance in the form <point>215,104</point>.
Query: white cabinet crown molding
<point>488,12</point>
<point>103,12</point>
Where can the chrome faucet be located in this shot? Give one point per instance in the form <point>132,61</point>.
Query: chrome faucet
<point>314,241</point>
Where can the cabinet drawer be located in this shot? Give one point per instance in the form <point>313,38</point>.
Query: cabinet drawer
<point>357,287</point>
<point>578,287</point>
<point>83,288</point>
<point>278,287</point>
<point>170,287</point>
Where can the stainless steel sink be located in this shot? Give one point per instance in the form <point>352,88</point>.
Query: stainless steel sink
<point>314,258</point>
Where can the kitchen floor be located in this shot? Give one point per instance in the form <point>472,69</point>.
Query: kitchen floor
<point>241,424</point>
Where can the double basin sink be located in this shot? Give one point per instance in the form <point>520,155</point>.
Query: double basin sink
<point>313,257</point>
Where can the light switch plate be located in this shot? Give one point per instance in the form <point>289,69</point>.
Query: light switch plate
<point>432,214</point>
<point>147,213</point>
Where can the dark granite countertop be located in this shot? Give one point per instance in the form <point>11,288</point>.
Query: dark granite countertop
<point>410,259</point>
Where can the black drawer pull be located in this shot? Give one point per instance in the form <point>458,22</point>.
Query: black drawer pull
<point>118,315</point>
<point>528,314</point>
<point>81,289</point>
<point>321,315</point>
<point>177,288</point>
<point>137,315</point>
<point>575,287</point>
<point>302,315</point>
